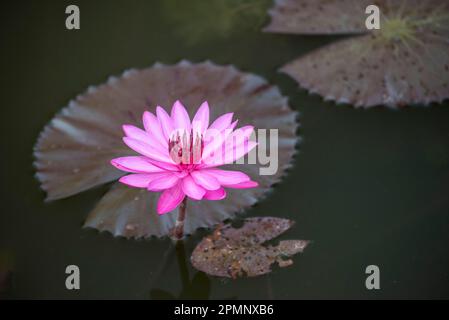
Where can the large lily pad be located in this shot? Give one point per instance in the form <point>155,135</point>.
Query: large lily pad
<point>405,62</point>
<point>232,252</point>
<point>318,17</point>
<point>74,150</point>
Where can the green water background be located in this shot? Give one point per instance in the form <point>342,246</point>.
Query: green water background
<point>368,187</point>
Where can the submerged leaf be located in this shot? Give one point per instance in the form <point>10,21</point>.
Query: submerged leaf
<point>405,62</point>
<point>214,19</point>
<point>231,252</point>
<point>74,150</point>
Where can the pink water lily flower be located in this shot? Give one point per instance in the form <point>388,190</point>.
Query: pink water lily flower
<point>179,157</point>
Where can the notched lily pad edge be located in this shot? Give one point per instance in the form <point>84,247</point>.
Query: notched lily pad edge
<point>285,169</point>
<point>312,91</point>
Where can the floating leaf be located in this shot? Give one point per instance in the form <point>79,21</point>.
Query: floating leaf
<point>231,252</point>
<point>74,150</point>
<point>318,17</point>
<point>405,62</point>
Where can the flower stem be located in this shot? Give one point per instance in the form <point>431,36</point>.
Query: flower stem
<point>178,233</point>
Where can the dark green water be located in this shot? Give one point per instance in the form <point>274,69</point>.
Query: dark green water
<point>369,187</point>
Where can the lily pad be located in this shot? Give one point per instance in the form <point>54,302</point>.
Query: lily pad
<point>318,17</point>
<point>232,252</point>
<point>406,62</point>
<point>73,152</point>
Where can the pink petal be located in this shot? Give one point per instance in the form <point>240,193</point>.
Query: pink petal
<point>228,155</point>
<point>191,189</point>
<point>243,185</point>
<point>238,138</point>
<point>238,152</point>
<point>240,135</point>
<point>218,194</point>
<point>153,127</point>
<point>135,133</point>
<point>163,182</point>
<point>206,181</point>
<point>141,135</point>
<point>226,177</point>
<point>147,150</point>
<point>164,165</point>
<point>135,164</point>
<point>236,146</point>
<point>214,140</point>
<point>139,180</point>
<point>222,122</point>
<point>180,117</point>
<point>247,130</point>
<point>170,199</point>
<point>201,120</point>
<point>165,121</point>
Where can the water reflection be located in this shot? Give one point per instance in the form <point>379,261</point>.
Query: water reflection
<point>197,288</point>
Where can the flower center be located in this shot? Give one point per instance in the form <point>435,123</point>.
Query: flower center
<point>186,148</point>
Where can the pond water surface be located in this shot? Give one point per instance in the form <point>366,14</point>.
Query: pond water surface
<point>368,186</point>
